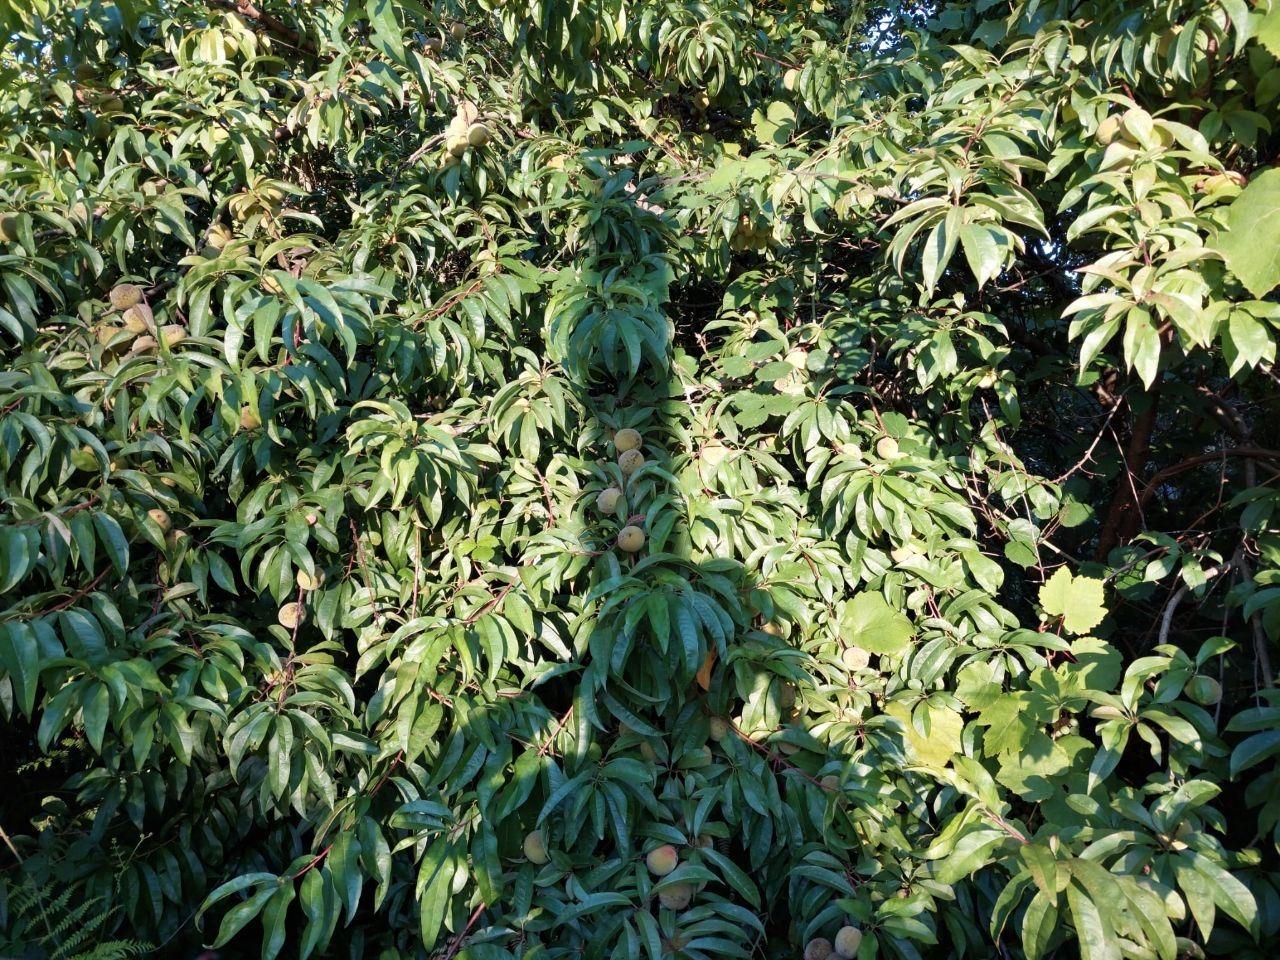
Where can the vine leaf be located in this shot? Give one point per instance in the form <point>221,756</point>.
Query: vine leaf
<point>870,623</point>
<point>1079,601</point>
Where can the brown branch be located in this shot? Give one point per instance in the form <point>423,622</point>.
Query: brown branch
<point>492,602</point>
<point>456,944</point>
<point>269,23</point>
<point>1253,453</point>
<point>1124,517</point>
<point>315,862</point>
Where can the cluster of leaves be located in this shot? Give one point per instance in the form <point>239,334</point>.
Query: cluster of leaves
<point>949,332</point>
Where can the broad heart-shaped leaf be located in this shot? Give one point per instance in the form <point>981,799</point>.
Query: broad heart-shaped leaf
<point>1078,600</point>
<point>1250,241</point>
<point>870,623</point>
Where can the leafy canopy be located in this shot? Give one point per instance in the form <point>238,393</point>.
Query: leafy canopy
<point>951,601</point>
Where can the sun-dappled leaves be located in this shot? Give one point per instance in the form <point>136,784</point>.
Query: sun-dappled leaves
<point>639,479</point>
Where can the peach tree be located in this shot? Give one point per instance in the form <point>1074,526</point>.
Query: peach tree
<point>640,478</point>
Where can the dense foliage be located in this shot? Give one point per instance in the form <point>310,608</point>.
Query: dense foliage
<point>640,478</point>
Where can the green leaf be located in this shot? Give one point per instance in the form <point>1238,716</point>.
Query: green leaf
<point>870,623</point>
<point>1250,238</point>
<point>1079,601</point>
<point>1096,937</point>
<point>241,915</point>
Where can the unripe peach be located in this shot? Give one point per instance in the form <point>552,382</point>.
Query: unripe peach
<point>855,658</point>
<point>138,318</point>
<point>608,500</point>
<point>457,31</point>
<point>677,896</point>
<point>719,728</point>
<point>290,615</point>
<point>627,439</point>
<point>161,518</point>
<point>172,334</point>
<point>1205,691</point>
<point>819,948</point>
<point>887,448</point>
<point>630,539</point>
<point>249,419</point>
<point>125,295</point>
<point>309,581</point>
<point>535,847</point>
<point>1107,130</point>
<point>662,860</point>
<point>630,462</point>
<point>848,940</point>
<point>477,135</point>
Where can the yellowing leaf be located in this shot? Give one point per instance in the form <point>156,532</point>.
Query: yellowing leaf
<point>870,623</point>
<point>1079,601</point>
<point>943,740</point>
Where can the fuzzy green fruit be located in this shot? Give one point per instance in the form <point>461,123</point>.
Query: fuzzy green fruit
<point>9,223</point>
<point>308,581</point>
<point>662,860</point>
<point>161,518</point>
<point>791,79</point>
<point>627,439</point>
<point>138,318</point>
<point>819,948</point>
<point>677,896</point>
<point>903,553</point>
<point>848,940</point>
<point>290,615</point>
<point>125,295</point>
<point>104,333</point>
<point>855,658</point>
<point>172,334</point>
<point>887,448</point>
<point>535,847</point>
<point>630,539</point>
<point>609,499</point>
<point>457,31</point>
<point>630,462</point>
<point>477,135</point>
<point>719,728</point>
<point>1205,691</point>
<point>1107,131</point>
<point>249,419</point>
